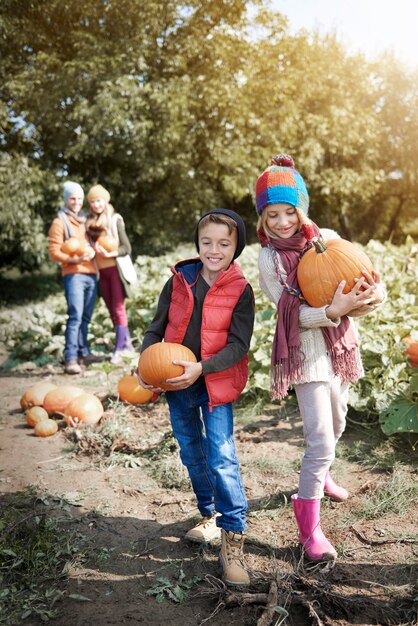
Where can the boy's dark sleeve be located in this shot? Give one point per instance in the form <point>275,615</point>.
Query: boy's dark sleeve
<point>124,243</point>
<point>155,331</point>
<point>239,335</point>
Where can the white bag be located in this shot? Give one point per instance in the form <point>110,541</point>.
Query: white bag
<point>126,269</point>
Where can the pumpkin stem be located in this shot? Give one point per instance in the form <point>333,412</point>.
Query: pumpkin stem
<point>319,244</point>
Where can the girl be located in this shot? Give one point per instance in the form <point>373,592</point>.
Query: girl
<point>314,349</point>
<point>103,220</point>
<point>79,276</point>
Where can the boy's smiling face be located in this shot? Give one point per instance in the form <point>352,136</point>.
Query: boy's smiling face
<point>216,249</point>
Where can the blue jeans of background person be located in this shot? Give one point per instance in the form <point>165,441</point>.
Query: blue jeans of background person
<point>207,449</point>
<point>80,293</point>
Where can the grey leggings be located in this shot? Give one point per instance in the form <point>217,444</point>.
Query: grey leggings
<point>323,407</point>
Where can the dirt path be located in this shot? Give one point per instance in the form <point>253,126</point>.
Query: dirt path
<point>133,519</point>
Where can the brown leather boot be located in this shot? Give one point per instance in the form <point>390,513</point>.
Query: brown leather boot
<point>234,570</point>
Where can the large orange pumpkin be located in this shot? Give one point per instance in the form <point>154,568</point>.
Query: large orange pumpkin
<point>73,246</point>
<point>325,265</point>
<point>35,414</point>
<point>108,243</point>
<point>34,396</point>
<point>46,428</point>
<point>129,390</point>
<point>156,363</point>
<point>56,400</point>
<point>85,408</point>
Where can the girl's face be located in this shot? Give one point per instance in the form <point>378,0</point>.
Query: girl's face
<point>97,206</point>
<point>216,248</point>
<point>74,203</point>
<point>282,220</point>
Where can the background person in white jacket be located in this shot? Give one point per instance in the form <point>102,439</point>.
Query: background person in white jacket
<point>315,350</point>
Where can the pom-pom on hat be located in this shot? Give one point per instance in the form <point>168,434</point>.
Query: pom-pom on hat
<point>72,189</point>
<point>281,182</point>
<point>98,192</point>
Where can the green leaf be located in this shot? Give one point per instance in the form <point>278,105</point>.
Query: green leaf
<point>400,416</point>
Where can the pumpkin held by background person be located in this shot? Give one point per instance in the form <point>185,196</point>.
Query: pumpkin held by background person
<point>325,265</point>
<point>73,247</point>
<point>129,390</point>
<point>156,363</point>
<point>108,243</point>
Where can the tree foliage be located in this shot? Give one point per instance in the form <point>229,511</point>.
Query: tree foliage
<point>176,107</point>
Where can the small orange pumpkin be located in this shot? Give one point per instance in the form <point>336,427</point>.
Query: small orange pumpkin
<point>73,246</point>
<point>325,265</point>
<point>34,396</point>
<point>108,243</point>
<point>155,364</point>
<point>46,428</point>
<point>35,414</point>
<point>56,400</point>
<point>129,390</point>
<point>85,408</point>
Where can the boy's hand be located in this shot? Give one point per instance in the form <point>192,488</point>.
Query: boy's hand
<point>191,373</point>
<point>343,303</point>
<point>146,386</point>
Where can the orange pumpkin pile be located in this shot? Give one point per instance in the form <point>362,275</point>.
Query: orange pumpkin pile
<point>129,390</point>
<point>325,265</point>
<point>43,400</point>
<point>156,363</point>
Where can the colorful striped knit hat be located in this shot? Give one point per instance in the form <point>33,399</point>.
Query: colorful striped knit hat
<point>280,182</point>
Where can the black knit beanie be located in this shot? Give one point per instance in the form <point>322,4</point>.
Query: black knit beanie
<point>240,229</point>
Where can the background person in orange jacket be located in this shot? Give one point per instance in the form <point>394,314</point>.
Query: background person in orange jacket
<point>208,306</point>
<point>79,276</point>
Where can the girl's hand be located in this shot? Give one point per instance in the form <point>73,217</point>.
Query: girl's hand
<point>191,373</point>
<point>378,290</point>
<point>343,303</point>
<point>145,385</point>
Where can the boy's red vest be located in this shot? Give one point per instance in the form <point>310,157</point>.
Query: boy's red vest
<point>220,301</point>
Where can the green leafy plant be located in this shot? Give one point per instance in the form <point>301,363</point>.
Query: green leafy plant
<point>175,590</point>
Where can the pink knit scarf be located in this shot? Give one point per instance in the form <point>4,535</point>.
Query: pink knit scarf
<point>287,357</point>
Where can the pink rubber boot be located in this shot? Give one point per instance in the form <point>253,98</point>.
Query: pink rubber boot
<point>313,540</point>
<point>334,491</point>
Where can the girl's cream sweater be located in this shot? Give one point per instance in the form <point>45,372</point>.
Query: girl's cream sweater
<point>316,362</point>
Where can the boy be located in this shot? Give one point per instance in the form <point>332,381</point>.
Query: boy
<point>208,306</point>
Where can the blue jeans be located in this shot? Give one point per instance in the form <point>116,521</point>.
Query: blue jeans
<point>80,293</point>
<point>207,449</point>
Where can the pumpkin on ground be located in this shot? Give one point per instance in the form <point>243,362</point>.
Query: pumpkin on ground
<point>411,351</point>
<point>129,390</point>
<point>85,408</point>
<point>155,364</point>
<point>73,246</point>
<point>56,400</point>
<point>34,396</point>
<point>108,243</point>
<point>46,428</point>
<point>36,414</point>
<point>325,265</point>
